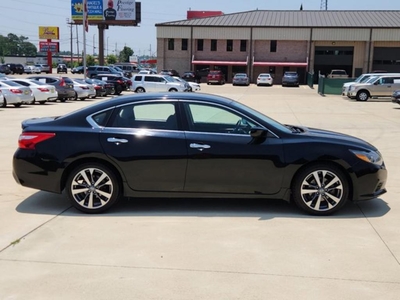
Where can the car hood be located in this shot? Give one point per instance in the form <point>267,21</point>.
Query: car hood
<point>332,136</point>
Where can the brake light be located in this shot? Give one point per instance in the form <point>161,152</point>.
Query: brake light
<point>120,81</point>
<point>43,89</point>
<point>28,140</point>
<point>84,87</point>
<point>62,82</point>
<point>15,91</point>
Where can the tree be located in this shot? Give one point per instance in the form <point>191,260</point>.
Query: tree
<point>124,54</point>
<point>111,59</point>
<point>14,45</point>
<point>90,61</point>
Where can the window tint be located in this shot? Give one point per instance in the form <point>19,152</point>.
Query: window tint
<point>102,118</point>
<point>149,115</point>
<point>207,118</point>
<point>149,78</point>
<point>138,78</point>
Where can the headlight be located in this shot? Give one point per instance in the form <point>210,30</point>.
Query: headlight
<point>352,88</point>
<point>373,157</point>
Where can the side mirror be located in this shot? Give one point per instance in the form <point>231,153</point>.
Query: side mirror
<point>258,132</point>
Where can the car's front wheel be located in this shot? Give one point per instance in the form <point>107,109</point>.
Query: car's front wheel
<point>320,189</point>
<point>362,96</point>
<point>92,188</point>
<point>140,90</point>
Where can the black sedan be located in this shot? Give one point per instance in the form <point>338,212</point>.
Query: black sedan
<point>120,83</point>
<point>192,145</point>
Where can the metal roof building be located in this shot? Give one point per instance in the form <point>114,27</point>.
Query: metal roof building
<point>274,41</point>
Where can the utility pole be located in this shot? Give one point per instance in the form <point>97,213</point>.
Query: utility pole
<point>77,42</point>
<point>71,42</point>
<point>324,5</point>
<point>94,42</point>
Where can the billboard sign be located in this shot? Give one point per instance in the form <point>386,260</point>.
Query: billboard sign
<point>109,11</point>
<point>49,32</point>
<point>48,46</point>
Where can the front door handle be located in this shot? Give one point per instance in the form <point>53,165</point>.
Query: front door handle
<point>116,140</point>
<point>200,147</point>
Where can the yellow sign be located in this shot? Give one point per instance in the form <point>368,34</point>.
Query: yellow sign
<point>47,32</point>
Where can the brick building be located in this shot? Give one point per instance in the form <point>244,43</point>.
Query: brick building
<point>276,41</point>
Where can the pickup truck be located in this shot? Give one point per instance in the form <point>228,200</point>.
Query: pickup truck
<point>338,74</point>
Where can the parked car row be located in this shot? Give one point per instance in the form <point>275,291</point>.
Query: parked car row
<point>43,88</point>
<point>372,85</point>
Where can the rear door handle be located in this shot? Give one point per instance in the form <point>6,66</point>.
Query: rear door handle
<point>200,147</point>
<point>116,140</point>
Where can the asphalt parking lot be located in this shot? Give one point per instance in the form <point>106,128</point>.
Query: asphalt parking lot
<point>207,249</point>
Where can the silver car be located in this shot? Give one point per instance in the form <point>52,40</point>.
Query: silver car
<point>42,92</point>
<point>15,93</point>
<point>83,90</point>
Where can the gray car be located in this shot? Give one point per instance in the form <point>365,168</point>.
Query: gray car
<point>241,79</point>
<point>290,78</point>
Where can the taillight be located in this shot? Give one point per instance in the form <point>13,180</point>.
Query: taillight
<point>97,87</point>
<point>62,82</point>
<point>120,81</point>
<point>28,140</point>
<point>43,89</point>
<point>15,91</point>
<point>84,87</point>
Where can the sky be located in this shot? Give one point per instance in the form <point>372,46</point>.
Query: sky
<point>23,17</point>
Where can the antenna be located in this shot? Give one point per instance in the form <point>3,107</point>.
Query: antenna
<point>324,5</point>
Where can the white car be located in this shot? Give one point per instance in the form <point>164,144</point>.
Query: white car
<point>265,79</point>
<point>142,83</point>
<point>193,86</point>
<point>361,79</point>
<point>42,92</point>
<point>15,93</point>
<point>83,90</point>
<point>32,70</point>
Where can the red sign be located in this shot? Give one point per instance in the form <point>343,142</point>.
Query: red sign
<point>49,46</point>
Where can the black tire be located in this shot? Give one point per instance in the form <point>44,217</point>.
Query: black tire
<point>17,104</point>
<point>4,103</point>
<point>42,102</point>
<point>118,90</point>
<point>82,99</point>
<point>140,90</point>
<point>173,90</point>
<point>94,196</point>
<point>325,189</point>
<point>362,95</point>
<point>63,99</point>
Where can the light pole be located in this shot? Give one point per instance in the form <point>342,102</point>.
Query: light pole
<point>94,42</point>
<point>107,45</point>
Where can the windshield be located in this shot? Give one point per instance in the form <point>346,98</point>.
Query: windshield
<point>371,79</point>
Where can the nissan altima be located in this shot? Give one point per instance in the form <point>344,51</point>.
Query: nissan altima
<point>192,145</point>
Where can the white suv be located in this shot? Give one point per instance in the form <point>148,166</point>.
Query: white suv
<point>142,83</point>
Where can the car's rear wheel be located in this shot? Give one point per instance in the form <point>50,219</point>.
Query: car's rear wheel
<point>17,104</point>
<point>140,90</point>
<point>362,96</point>
<point>320,189</point>
<point>92,188</point>
<point>42,102</point>
<point>118,90</point>
<point>4,103</point>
